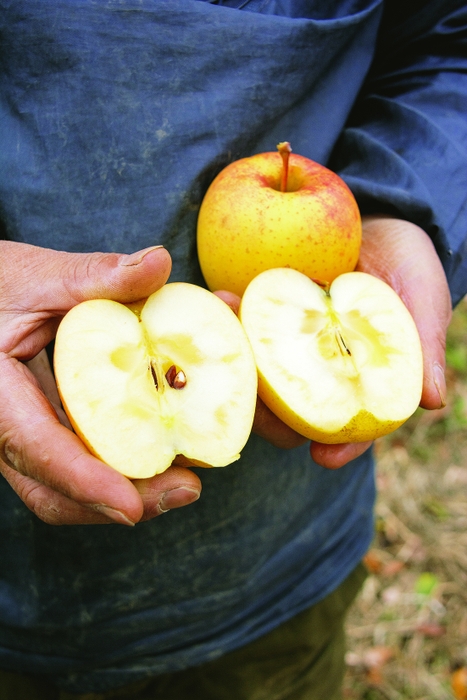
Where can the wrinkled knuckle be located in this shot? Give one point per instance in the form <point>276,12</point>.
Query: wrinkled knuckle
<point>71,272</point>
<point>441,336</point>
<point>45,508</point>
<point>73,279</point>
<point>25,451</point>
<point>83,271</point>
<point>49,513</point>
<point>11,450</point>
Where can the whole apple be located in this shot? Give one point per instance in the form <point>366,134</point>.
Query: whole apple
<point>276,209</point>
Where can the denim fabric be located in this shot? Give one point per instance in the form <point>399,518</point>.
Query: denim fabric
<point>115,115</point>
<point>302,659</point>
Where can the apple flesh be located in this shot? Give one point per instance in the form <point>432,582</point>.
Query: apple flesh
<point>143,385</point>
<point>342,364</point>
<point>274,210</point>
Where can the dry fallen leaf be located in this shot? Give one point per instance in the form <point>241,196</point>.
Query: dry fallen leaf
<point>392,567</point>
<point>373,562</point>
<point>374,659</point>
<point>459,683</point>
<point>431,629</point>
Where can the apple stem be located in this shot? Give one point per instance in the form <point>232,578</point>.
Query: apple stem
<point>321,283</point>
<point>285,150</point>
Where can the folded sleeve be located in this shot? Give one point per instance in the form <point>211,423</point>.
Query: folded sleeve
<point>404,149</point>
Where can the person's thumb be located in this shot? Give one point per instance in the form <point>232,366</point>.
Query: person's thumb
<point>428,299</point>
<point>55,281</point>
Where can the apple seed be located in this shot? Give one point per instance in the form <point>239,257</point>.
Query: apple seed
<point>179,381</point>
<point>154,375</point>
<point>175,379</point>
<point>341,342</point>
<point>170,375</point>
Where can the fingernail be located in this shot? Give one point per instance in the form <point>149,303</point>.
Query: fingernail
<point>115,515</point>
<point>137,258</point>
<point>176,498</point>
<point>439,380</point>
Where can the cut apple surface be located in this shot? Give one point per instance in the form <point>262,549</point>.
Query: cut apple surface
<point>141,386</point>
<point>337,365</point>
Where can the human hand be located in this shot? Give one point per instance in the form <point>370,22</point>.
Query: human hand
<point>45,463</point>
<point>401,254</point>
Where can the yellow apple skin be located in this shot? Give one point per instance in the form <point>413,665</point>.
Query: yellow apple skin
<point>363,427</point>
<point>247,225</point>
<point>339,365</point>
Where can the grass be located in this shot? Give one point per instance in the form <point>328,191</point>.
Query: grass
<point>407,633</point>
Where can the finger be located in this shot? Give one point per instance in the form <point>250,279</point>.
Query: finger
<point>230,299</point>
<point>42,371</point>
<point>32,311</point>
<point>336,456</point>
<point>174,488</point>
<point>53,507</point>
<point>34,444</point>
<point>412,267</point>
<point>69,278</point>
<point>268,426</point>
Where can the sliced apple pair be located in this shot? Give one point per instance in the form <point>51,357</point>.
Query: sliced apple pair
<point>338,364</point>
<point>143,385</point>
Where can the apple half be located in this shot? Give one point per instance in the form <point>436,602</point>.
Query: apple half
<point>342,364</point>
<point>143,385</point>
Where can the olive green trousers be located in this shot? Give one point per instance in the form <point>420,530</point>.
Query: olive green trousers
<point>302,659</point>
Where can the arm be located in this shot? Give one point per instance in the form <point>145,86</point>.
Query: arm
<point>404,149</point>
<point>44,462</point>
